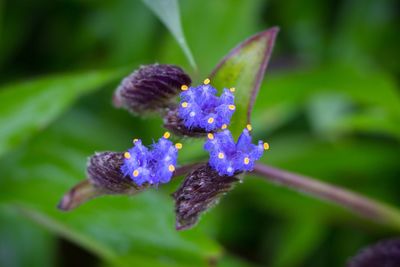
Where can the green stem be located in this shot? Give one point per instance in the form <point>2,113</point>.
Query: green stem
<point>363,206</point>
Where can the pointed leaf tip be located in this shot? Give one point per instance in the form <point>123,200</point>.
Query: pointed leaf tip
<point>169,14</point>
<point>244,68</point>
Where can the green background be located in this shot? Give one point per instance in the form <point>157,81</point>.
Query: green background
<point>329,106</point>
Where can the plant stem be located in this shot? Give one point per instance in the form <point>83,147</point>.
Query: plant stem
<point>364,206</point>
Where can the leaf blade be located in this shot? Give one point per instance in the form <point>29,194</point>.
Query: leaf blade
<point>168,12</point>
<point>28,107</point>
<point>236,70</point>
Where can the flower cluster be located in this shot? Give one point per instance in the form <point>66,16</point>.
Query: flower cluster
<point>228,157</point>
<point>199,113</point>
<point>151,166</point>
<point>201,108</point>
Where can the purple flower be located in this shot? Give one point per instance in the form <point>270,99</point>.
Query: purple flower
<point>151,166</point>
<point>228,157</point>
<point>201,108</point>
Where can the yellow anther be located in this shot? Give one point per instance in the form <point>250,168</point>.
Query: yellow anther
<point>232,107</point>
<point>135,173</point>
<point>210,136</point>
<point>178,145</point>
<point>184,87</point>
<point>166,135</point>
<point>171,168</point>
<point>232,89</point>
<point>248,126</point>
<point>184,104</point>
<point>246,160</point>
<point>221,155</point>
<point>224,126</point>
<point>266,146</point>
<point>210,120</point>
<point>127,155</point>
<point>135,140</point>
<point>206,81</point>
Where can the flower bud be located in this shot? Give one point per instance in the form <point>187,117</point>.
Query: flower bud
<point>150,88</point>
<point>104,177</point>
<point>384,253</point>
<point>104,171</point>
<point>200,190</point>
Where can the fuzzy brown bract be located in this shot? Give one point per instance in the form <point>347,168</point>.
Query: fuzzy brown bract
<point>150,88</point>
<point>104,171</point>
<point>200,190</point>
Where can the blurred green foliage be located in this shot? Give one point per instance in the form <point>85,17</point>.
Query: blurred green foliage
<point>329,107</point>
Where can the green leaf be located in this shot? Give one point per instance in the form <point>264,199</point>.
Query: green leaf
<point>168,12</point>
<point>298,240</point>
<point>28,107</point>
<point>17,234</point>
<point>124,231</point>
<point>243,68</point>
<point>359,99</point>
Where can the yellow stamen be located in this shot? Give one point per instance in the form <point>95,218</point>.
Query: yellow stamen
<point>178,145</point>
<point>224,126</point>
<point>171,168</point>
<point>184,87</point>
<point>266,146</point>
<point>210,136</point>
<point>246,160</point>
<point>232,107</point>
<point>232,89</point>
<point>248,126</point>
<point>185,104</point>
<point>206,81</point>
<point>221,155</point>
<point>210,120</point>
<point>127,155</point>
<point>135,140</point>
<point>135,173</point>
<point>166,135</point>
